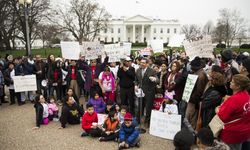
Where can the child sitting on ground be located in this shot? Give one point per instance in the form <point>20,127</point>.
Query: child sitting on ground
<point>53,109</point>
<point>122,113</point>
<point>42,111</point>
<point>169,105</point>
<point>129,134</point>
<point>110,106</point>
<point>97,102</point>
<point>90,122</point>
<point>110,128</point>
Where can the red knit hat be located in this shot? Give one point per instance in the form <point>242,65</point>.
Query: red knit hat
<point>128,117</point>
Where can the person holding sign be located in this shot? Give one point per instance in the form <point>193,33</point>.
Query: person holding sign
<point>195,98</point>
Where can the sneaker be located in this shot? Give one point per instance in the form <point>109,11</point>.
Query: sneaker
<point>138,145</point>
<point>101,139</point>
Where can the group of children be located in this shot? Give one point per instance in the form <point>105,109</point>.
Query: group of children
<point>119,125</point>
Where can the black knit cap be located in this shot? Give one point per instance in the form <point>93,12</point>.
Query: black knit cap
<point>196,62</point>
<point>246,64</point>
<point>226,55</point>
<point>206,136</point>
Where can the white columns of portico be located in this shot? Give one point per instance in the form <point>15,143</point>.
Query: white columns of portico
<point>142,33</point>
<point>124,33</point>
<point>133,33</point>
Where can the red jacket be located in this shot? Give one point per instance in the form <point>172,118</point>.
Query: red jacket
<point>87,120</point>
<point>237,106</point>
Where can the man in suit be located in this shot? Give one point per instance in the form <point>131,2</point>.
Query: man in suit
<point>146,79</point>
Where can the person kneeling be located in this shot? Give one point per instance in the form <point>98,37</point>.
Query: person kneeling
<point>129,135</point>
<point>90,122</point>
<point>110,128</point>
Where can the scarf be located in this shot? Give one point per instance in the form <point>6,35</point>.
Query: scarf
<point>108,78</point>
<point>161,77</point>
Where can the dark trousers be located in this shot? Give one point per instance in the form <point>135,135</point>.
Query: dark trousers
<point>13,95</point>
<point>110,137</point>
<point>127,96</point>
<point>94,132</point>
<point>147,102</point>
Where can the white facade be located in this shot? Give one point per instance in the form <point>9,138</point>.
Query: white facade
<point>139,29</point>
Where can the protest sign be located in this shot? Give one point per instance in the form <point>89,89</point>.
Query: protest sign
<point>113,51</point>
<point>25,83</point>
<point>146,51</point>
<point>190,83</point>
<point>125,49</point>
<point>101,118</point>
<point>70,50</point>
<point>95,50</point>
<point>164,125</point>
<point>157,46</point>
<point>201,47</point>
<point>176,40</point>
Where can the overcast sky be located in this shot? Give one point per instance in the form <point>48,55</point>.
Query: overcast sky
<point>186,11</point>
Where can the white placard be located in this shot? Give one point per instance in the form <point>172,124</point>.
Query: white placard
<point>25,83</point>
<point>146,51</point>
<point>126,49</point>
<point>157,46</point>
<point>176,40</point>
<point>101,118</point>
<point>199,47</point>
<point>95,50</point>
<point>190,83</point>
<point>70,50</point>
<point>164,125</point>
<point>113,51</point>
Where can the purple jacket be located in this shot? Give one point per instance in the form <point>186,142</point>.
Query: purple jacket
<point>99,104</point>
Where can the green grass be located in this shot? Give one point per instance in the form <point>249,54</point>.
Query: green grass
<point>43,52</point>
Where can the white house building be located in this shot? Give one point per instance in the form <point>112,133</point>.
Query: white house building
<point>139,29</point>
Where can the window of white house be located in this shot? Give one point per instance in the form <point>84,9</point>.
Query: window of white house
<point>175,30</point>
<point>112,30</point>
<point>161,30</point>
<point>128,39</point>
<point>154,38</point>
<point>154,30</point>
<point>99,39</point>
<point>112,40</point>
<point>168,30</point>
<point>105,30</point>
<point>106,39</point>
<point>119,30</point>
<point>119,39</point>
<point>145,30</point>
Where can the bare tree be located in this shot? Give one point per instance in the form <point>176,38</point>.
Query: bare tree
<point>230,26</point>
<point>208,28</point>
<point>83,19</point>
<point>191,31</point>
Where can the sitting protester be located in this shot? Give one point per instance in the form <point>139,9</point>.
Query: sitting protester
<point>110,106</point>
<point>122,113</point>
<point>183,140</point>
<point>53,109</point>
<point>90,122</point>
<point>110,128</point>
<point>169,106</point>
<point>206,141</point>
<point>71,112</point>
<point>97,102</point>
<point>129,134</point>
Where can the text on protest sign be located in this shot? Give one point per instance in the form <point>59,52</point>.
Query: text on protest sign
<point>70,50</point>
<point>176,40</point>
<point>113,51</point>
<point>200,47</point>
<point>189,86</point>
<point>101,118</point>
<point>25,83</point>
<point>164,125</point>
<point>95,50</point>
<point>125,50</point>
<point>157,46</point>
<point>146,51</point>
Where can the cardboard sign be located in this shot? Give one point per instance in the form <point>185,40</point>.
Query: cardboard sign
<point>70,50</point>
<point>176,40</point>
<point>189,86</point>
<point>146,51</point>
<point>157,46</point>
<point>95,50</point>
<point>199,47</point>
<point>164,125</point>
<point>113,51</point>
<point>25,83</point>
<point>101,118</point>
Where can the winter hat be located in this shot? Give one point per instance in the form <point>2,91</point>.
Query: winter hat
<point>226,55</point>
<point>246,64</point>
<point>246,54</point>
<point>128,117</point>
<point>183,139</point>
<point>196,62</point>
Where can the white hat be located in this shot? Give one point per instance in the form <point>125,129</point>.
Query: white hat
<point>128,59</point>
<point>246,54</point>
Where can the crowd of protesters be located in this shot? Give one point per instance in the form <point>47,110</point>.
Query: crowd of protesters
<point>222,88</point>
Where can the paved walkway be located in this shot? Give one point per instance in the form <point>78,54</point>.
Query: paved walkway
<point>16,123</point>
